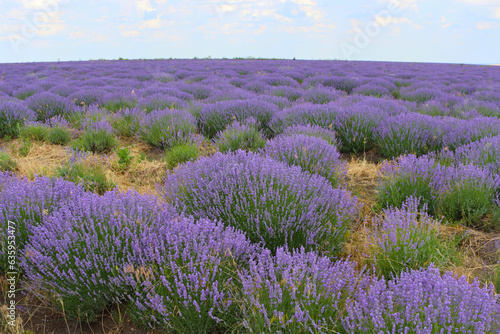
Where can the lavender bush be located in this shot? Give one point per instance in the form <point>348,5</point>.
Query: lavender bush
<point>297,292</point>
<point>484,152</point>
<point>240,136</point>
<point>168,128</point>
<point>312,154</point>
<point>77,259</point>
<point>408,238</point>
<point>311,130</point>
<point>187,279</point>
<point>409,133</point>
<point>459,192</point>
<point>214,118</point>
<point>13,116</point>
<point>47,105</point>
<point>26,204</point>
<point>250,192</point>
<point>355,126</point>
<point>304,114</point>
<point>423,301</point>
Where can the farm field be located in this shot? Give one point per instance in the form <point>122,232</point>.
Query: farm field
<point>249,196</point>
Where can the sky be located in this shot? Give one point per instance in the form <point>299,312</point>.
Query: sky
<point>444,31</point>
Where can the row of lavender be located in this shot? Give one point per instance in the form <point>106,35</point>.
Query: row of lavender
<point>360,123</point>
<point>227,266</point>
<point>461,185</point>
<point>212,79</point>
<point>139,98</point>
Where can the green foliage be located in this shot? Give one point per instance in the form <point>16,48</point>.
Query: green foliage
<point>90,173</point>
<point>248,139</point>
<point>57,136</point>
<point>99,141</point>
<point>466,202</point>
<point>9,128</point>
<point>168,131</point>
<point>180,154</point>
<point>394,192</point>
<point>25,94</point>
<point>25,148</point>
<point>33,132</point>
<point>396,94</point>
<point>6,162</point>
<point>412,247</point>
<point>125,159</point>
<point>125,125</point>
<point>120,104</point>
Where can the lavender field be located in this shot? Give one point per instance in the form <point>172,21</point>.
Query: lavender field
<point>250,196</point>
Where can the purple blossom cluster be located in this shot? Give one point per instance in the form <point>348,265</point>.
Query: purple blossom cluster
<point>13,115</point>
<point>457,191</point>
<point>296,292</point>
<point>81,251</point>
<point>440,178</point>
<point>484,152</point>
<point>214,118</point>
<point>47,105</point>
<point>26,203</point>
<point>423,302</point>
<point>273,203</point>
<point>186,280</point>
<point>312,154</point>
<point>240,136</point>
<point>405,238</point>
<point>311,130</point>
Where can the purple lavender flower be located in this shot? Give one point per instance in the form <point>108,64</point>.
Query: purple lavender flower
<point>409,133</point>
<point>186,280</point>
<point>250,192</point>
<point>26,204</point>
<point>47,105</point>
<point>168,128</point>
<point>240,136</point>
<point>311,130</point>
<point>303,114</point>
<point>215,117</point>
<point>81,252</point>
<point>423,301</point>
<point>13,115</point>
<point>296,292</point>
<point>312,154</point>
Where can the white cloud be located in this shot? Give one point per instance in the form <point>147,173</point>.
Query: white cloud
<point>129,33</point>
<point>387,20</point>
<point>144,6</point>
<point>403,4</point>
<point>152,24</point>
<point>444,22</point>
<point>480,2</point>
<point>497,13</point>
<point>262,28</point>
<point>42,4</point>
<point>318,28</point>
<point>484,25</point>
<point>90,36</point>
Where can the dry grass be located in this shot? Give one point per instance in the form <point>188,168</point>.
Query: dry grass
<point>362,180</point>
<point>479,251</point>
<point>42,159</point>
<point>142,175</point>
